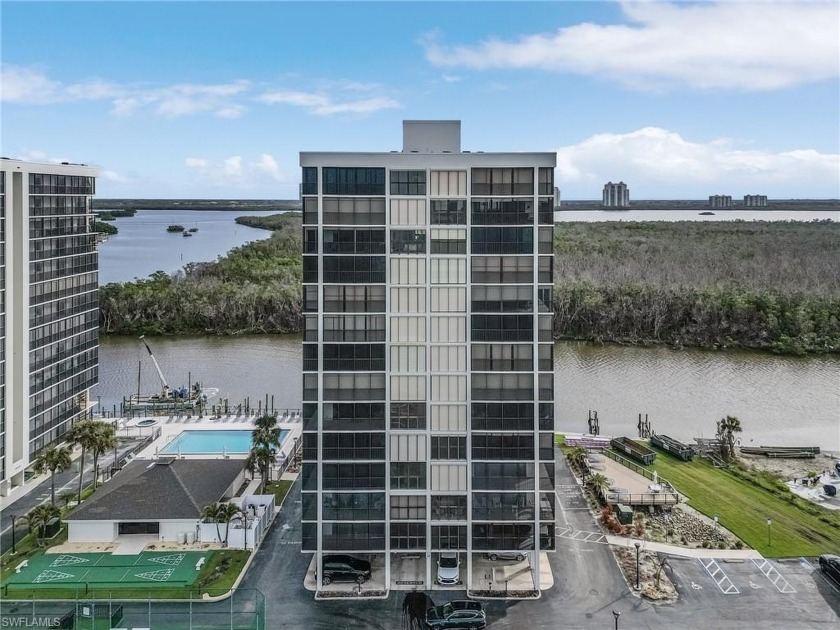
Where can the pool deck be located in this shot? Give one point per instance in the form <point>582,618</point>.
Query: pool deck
<point>172,426</point>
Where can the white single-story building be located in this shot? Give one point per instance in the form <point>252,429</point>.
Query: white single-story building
<point>162,497</point>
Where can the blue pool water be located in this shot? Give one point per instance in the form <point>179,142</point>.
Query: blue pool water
<point>207,442</point>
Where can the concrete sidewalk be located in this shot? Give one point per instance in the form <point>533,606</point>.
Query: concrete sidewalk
<point>685,552</point>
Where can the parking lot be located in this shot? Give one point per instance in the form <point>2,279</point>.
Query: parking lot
<point>588,586</point>
<point>792,593</point>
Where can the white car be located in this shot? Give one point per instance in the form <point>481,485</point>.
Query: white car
<point>449,568</point>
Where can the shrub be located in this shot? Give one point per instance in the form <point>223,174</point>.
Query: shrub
<point>739,544</point>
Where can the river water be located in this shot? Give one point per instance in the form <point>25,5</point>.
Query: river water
<point>143,245</point>
<point>779,400</point>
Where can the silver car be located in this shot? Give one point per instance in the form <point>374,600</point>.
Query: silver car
<point>519,556</point>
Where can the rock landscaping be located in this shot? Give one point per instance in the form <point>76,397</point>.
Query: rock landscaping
<point>681,527</point>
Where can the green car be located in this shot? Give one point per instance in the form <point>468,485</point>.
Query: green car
<point>461,613</point>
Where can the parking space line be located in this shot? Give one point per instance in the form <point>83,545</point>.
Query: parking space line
<point>772,574</point>
<point>580,536</point>
<point>719,577</point>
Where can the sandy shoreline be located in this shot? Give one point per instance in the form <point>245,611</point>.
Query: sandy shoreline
<point>790,469</point>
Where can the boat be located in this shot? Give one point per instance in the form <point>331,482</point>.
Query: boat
<point>194,229</point>
<point>707,214</point>
<point>175,228</point>
<point>168,400</point>
<point>185,234</point>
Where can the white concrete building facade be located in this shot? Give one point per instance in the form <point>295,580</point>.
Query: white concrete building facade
<point>49,289</point>
<point>615,195</point>
<point>427,355</point>
<point>755,201</point>
<point>720,201</point>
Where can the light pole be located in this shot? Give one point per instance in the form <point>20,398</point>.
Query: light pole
<point>638,546</point>
<point>14,516</point>
<point>616,614</point>
<point>769,523</point>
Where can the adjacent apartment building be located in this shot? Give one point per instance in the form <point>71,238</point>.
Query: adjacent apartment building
<point>428,381</point>
<point>615,195</point>
<point>720,201</point>
<point>755,201</point>
<point>49,327</point>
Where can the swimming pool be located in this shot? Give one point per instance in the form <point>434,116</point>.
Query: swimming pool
<point>197,441</point>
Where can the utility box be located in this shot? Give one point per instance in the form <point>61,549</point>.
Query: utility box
<point>625,514</point>
<point>52,527</point>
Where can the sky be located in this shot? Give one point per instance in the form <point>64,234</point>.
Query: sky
<point>216,99</point>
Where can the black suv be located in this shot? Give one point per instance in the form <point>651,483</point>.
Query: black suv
<point>830,565</point>
<point>345,569</point>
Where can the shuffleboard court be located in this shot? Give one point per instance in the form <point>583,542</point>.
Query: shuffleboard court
<point>149,569</point>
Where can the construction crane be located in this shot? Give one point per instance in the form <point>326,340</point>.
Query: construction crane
<point>166,392</point>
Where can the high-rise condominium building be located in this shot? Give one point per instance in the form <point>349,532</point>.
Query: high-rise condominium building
<point>428,380</point>
<point>615,195</point>
<point>720,201</point>
<point>49,331</point>
<point>755,201</point>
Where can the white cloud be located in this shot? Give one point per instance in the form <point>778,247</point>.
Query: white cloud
<point>112,176</point>
<point>451,78</point>
<point>20,84</point>
<point>199,163</point>
<point>29,85</point>
<point>232,166</point>
<point>751,46</point>
<point>323,105</point>
<point>660,164</point>
<point>238,171</point>
<point>231,111</point>
<point>268,165</point>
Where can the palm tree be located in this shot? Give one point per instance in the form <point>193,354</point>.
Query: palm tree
<point>83,433</point>
<point>38,518</point>
<point>54,459</point>
<point>265,441</point>
<point>212,513</point>
<point>261,458</point>
<point>227,512</point>
<point>599,483</point>
<point>67,496</point>
<point>726,430</point>
<point>105,439</point>
<point>577,455</point>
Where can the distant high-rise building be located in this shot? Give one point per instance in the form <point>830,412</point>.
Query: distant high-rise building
<point>616,195</point>
<point>49,289</point>
<point>428,381</point>
<point>556,197</point>
<point>720,201</point>
<point>755,201</point>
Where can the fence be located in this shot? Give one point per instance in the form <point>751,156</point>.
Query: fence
<point>668,489</point>
<point>648,498</point>
<point>244,610</point>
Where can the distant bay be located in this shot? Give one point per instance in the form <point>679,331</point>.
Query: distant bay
<point>143,245</point>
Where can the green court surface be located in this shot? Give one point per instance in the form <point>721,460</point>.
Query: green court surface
<point>149,569</point>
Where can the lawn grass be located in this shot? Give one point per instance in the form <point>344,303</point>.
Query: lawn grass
<point>744,500</point>
<point>560,439</point>
<point>279,489</point>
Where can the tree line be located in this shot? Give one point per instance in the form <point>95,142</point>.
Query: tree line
<point>766,285</point>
